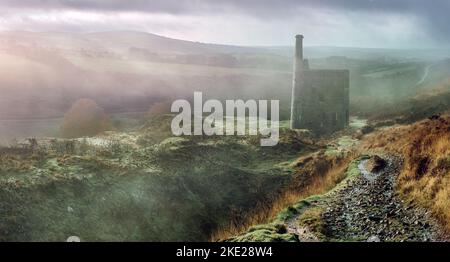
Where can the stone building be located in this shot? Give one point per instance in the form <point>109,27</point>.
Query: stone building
<point>320,98</point>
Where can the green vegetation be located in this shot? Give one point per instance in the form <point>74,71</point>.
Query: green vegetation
<point>266,233</point>
<point>142,185</point>
<point>312,219</point>
<point>308,210</point>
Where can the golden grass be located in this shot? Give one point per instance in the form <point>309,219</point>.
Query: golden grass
<point>425,177</point>
<point>322,174</point>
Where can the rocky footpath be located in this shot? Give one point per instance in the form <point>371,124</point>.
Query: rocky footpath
<point>366,208</point>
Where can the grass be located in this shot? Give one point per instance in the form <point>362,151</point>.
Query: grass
<point>291,202</point>
<point>312,219</point>
<point>266,233</point>
<point>143,185</point>
<point>425,177</point>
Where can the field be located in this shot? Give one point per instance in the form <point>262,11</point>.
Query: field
<point>143,185</point>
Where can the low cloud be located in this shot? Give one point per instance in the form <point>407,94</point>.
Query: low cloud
<point>414,23</point>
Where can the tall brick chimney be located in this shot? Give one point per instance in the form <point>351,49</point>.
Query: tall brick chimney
<point>296,83</point>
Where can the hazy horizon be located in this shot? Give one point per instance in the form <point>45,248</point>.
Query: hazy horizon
<point>291,45</point>
<point>371,24</point>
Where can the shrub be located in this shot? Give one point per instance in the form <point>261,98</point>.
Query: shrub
<point>158,109</point>
<point>85,118</point>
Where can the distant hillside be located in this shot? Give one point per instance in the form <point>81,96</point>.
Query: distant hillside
<point>118,41</point>
<point>43,74</point>
<point>364,53</point>
<point>121,41</point>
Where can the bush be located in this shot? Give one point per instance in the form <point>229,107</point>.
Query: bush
<point>85,118</point>
<point>158,109</point>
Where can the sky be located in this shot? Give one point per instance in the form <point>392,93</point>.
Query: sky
<point>355,23</point>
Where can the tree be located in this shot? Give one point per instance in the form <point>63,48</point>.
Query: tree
<point>85,118</point>
<point>159,109</point>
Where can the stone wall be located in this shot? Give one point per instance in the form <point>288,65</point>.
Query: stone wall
<point>321,100</point>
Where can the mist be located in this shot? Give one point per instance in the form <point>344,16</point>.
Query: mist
<point>87,149</point>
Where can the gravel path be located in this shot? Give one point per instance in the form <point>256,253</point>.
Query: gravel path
<point>367,209</point>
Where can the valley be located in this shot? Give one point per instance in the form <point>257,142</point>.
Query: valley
<point>133,180</point>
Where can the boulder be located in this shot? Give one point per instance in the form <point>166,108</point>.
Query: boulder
<point>375,164</point>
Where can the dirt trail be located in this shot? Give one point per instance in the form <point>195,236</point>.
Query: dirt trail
<point>367,209</point>
<point>425,74</point>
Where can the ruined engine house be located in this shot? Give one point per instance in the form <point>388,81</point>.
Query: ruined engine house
<point>320,98</point>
